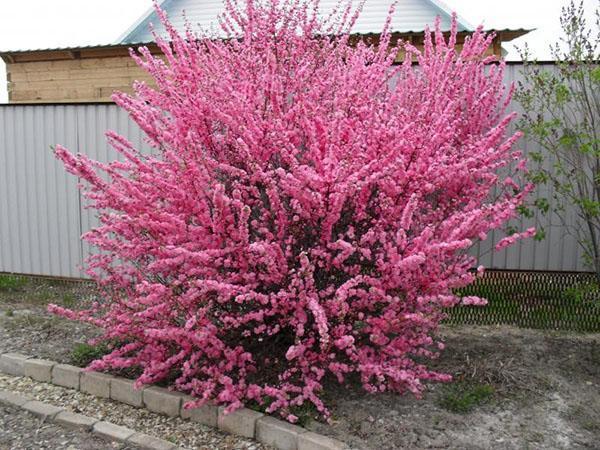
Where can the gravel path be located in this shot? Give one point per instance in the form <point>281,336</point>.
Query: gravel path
<point>20,430</point>
<point>184,433</point>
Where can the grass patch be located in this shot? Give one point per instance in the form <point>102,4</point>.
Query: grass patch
<point>592,426</point>
<point>11,283</point>
<point>68,300</point>
<point>549,301</point>
<point>463,397</point>
<point>83,354</point>
<point>20,291</point>
<point>42,297</point>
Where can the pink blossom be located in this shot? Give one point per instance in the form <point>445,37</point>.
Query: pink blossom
<point>306,211</point>
<point>510,240</point>
<point>474,301</point>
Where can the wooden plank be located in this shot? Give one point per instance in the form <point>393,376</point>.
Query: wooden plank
<point>36,66</point>
<point>41,55</point>
<point>15,76</point>
<point>48,75</point>
<point>113,61</point>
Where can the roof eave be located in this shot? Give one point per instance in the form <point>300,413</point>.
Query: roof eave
<point>510,35</point>
<point>12,56</point>
<point>445,9</point>
<point>122,39</point>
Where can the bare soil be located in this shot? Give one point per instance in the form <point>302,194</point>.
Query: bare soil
<point>543,393</point>
<point>514,388</point>
<point>26,326</point>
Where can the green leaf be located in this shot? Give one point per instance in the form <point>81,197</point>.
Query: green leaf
<point>567,140</point>
<point>562,94</point>
<point>540,234</point>
<point>538,177</point>
<point>586,148</point>
<point>525,211</point>
<point>590,207</point>
<point>542,204</point>
<point>536,157</point>
<point>595,75</point>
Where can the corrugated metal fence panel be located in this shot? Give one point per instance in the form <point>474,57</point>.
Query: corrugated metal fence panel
<point>559,250</point>
<point>40,223</point>
<point>93,122</point>
<point>42,214</point>
<point>41,211</point>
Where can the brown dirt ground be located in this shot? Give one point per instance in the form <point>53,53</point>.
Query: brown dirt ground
<point>545,395</point>
<point>518,388</point>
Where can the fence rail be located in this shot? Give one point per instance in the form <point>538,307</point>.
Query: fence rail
<point>565,301</point>
<point>42,215</point>
<point>545,300</point>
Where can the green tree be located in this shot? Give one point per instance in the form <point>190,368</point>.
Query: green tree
<point>562,113</point>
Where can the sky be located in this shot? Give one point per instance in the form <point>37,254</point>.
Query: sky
<point>30,24</point>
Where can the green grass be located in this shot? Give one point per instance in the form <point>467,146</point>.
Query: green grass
<point>31,321</point>
<point>585,292</point>
<point>83,354</point>
<point>592,426</point>
<point>39,291</point>
<point>540,301</point>
<point>42,297</point>
<point>68,300</point>
<point>11,283</point>
<point>463,397</point>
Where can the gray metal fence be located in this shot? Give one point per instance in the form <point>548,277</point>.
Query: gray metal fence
<point>559,250</point>
<point>42,216</point>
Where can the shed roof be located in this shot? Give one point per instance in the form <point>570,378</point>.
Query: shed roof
<point>409,16</point>
<point>121,49</point>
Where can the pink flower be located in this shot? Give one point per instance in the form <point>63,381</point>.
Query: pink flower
<point>510,240</point>
<point>306,212</point>
<point>474,301</point>
<point>344,342</point>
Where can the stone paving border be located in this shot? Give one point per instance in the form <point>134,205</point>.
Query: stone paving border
<point>67,419</point>
<point>242,422</point>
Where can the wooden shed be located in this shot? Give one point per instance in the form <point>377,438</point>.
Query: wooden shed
<point>91,74</point>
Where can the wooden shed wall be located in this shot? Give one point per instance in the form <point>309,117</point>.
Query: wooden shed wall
<point>92,75</point>
<point>73,80</point>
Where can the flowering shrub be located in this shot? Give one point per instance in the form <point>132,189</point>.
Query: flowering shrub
<point>306,212</point>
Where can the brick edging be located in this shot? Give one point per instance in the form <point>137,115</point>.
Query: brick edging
<point>243,422</point>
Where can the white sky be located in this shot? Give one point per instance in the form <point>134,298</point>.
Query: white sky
<point>29,24</point>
